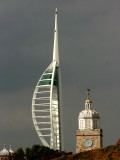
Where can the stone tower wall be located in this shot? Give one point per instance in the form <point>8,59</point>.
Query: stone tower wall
<point>95,135</point>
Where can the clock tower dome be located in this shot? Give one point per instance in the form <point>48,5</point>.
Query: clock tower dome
<point>89,134</point>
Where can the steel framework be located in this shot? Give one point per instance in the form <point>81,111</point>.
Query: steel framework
<point>46,102</point>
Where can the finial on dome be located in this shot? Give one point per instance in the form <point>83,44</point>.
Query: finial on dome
<point>88,93</point>
<point>88,101</point>
<point>4,146</point>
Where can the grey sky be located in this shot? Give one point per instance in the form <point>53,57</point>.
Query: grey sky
<point>89,37</point>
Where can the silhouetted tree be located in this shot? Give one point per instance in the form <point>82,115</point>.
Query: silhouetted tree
<point>19,154</point>
<point>39,153</point>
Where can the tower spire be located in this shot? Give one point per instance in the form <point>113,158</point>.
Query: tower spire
<point>55,46</point>
<point>47,118</point>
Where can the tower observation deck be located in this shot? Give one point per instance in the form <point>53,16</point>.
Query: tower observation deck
<point>46,102</point>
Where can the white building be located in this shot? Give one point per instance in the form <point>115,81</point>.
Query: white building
<point>4,153</point>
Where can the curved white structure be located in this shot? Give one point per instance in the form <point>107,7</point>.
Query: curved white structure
<point>46,108</point>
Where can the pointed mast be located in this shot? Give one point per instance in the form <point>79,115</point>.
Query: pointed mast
<point>55,46</point>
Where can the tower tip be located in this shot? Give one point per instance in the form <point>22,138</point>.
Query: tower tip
<point>55,46</point>
<point>56,11</point>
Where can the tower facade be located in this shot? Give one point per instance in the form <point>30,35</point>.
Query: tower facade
<point>46,102</point>
<point>89,135</point>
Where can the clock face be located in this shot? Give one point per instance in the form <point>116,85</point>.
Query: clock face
<point>88,143</point>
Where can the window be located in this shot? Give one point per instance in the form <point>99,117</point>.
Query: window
<point>47,76</point>
<point>95,124</point>
<point>87,123</point>
<point>45,82</point>
<point>81,124</point>
<point>48,71</point>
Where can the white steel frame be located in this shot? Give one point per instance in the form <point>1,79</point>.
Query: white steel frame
<point>46,111</point>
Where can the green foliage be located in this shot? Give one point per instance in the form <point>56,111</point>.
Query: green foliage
<point>38,153</point>
<point>19,154</point>
<point>35,153</point>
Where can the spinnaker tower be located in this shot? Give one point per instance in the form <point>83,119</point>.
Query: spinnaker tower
<point>46,102</point>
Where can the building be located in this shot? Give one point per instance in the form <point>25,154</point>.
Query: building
<point>46,102</point>
<point>89,135</point>
<point>4,153</point>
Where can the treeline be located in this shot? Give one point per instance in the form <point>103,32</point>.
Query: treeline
<point>36,152</point>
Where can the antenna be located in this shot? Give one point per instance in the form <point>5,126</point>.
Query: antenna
<point>55,45</point>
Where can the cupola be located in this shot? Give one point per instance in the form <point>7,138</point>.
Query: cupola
<point>10,150</point>
<point>4,152</point>
<point>88,118</point>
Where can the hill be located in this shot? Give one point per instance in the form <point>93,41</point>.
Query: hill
<point>37,152</point>
<point>106,153</point>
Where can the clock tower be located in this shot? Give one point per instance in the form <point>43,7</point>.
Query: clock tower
<point>89,135</point>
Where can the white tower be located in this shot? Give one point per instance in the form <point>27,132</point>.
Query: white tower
<point>89,134</point>
<point>46,102</point>
<point>88,118</point>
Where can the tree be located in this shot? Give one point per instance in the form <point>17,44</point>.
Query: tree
<point>38,153</point>
<point>19,154</point>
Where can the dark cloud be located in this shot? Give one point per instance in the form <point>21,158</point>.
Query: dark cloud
<point>89,35</point>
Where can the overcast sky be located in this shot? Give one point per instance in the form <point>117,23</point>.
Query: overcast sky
<point>89,50</point>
